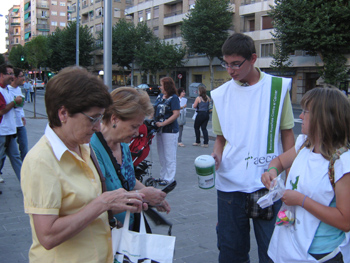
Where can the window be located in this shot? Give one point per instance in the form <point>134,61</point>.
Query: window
<point>99,12</point>
<point>16,40</point>
<point>191,4</point>
<point>53,23</point>
<point>91,29</point>
<point>117,12</point>
<point>62,13</point>
<point>266,22</point>
<point>54,13</point>
<point>148,14</point>
<point>98,27</point>
<point>251,25</point>
<point>156,11</point>
<point>140,16</point>
<point>44,14</point>
<point>91,2</point>
<point>53,2</point>
<point>62,24</point>
<point>156,31</point>
<point>266,50</point>
<point>62,3</point>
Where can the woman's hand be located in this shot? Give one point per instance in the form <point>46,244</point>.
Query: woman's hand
<point>155,197</point>
<point>267,177</point>
<point>163,207</point>
<point>292,197</point>
<point>121,200</point>
<point>159,124</point>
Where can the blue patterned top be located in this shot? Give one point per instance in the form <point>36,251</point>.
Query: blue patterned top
<point>107,168</point>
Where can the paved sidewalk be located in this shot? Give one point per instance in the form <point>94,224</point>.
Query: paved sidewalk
<point>193,210</point>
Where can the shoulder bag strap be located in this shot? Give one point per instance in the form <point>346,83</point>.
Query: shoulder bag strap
<point>116,165</point>
<point>111,219</point>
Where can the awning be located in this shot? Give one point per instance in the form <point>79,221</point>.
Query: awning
<point>26,6</point>
<point>27,35</point>
<point>15,10</point>
<point>26,15</point>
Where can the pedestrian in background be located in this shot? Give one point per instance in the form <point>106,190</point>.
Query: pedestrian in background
<point>167,110</point>
<point>15,91</point>
<point>321,200</point>
<point>247,139</point>
<point>26,87</point>
<point>201,104</point>
<point>32,92</point>
<point>8,131</point>
<point>182,118</point>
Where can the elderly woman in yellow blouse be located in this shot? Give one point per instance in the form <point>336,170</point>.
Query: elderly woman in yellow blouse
<point>61,186</point>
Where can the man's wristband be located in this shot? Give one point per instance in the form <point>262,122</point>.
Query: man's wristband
<point>16,105</point>
<point>273,168</point>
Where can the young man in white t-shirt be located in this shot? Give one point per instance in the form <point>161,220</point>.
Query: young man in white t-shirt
<point>249,114</point>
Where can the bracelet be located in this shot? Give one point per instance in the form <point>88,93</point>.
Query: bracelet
<point>302,205</point>
<point>273,168</point>
<point>16,105</point>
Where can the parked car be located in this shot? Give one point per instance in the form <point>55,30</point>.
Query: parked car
<point>39,84</point>
<point>151,89</point>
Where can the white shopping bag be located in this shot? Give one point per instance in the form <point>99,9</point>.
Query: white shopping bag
<point>130,246</point>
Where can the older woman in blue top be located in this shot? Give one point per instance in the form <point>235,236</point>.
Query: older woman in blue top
<point>120,123</point>
<point>167,107</point>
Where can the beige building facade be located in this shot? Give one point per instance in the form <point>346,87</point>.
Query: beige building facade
<point>13,27</point>
<point>250,17</point>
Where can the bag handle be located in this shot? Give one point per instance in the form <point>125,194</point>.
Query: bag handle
<point>142,222</point>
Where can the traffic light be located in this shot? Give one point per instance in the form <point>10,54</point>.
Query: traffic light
<point>49,74</point>
<point>22,58</point>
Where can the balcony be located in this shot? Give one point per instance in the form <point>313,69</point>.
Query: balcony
<point>43,6</point>
<point>28,29</point>
<point>71,9</point>
<point>174,19</point>
<point>175,13</point>
<point>39,16</point>
<point>28,20</point>
<point>43,27</point>
<point>255,7</point>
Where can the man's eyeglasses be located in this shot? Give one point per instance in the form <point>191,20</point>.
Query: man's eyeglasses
<point>10,74</point>
<point>93,120</point>
<point>304,111</point>
<point>237,66</point>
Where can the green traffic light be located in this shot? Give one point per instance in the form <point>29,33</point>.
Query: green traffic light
<point>22,58</point>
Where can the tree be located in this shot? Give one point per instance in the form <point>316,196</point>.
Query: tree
<point>16,53</point>
<point>127,40</point>
<point>36,52</point>
<point>318,27</point>
<point>172,56</point>
<point>63,47</point>
<point>206,29</point>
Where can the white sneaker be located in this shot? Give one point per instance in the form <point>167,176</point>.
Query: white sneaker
<point>1,179</point>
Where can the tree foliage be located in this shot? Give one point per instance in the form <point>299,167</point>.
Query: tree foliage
<point>63,46</point>
<point>318,26</point>
<point>206,28</point>
<point>36,52</point>
<point>15,55</point>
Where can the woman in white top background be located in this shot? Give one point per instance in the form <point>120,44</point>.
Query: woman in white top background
<point>183,104</point>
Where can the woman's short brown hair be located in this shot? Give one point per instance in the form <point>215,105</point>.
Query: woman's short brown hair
<point>168,85</point>
<point>128,103</point>
<point>329,120</point>
<point>77,90</point>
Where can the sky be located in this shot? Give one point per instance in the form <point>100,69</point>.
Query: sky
<point>5,5</point>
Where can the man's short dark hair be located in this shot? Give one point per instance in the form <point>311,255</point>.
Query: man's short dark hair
<point>17,71</point>
<point>4,67</point>
<point>240,45</point>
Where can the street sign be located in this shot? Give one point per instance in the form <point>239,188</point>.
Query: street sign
<point>179,76</point>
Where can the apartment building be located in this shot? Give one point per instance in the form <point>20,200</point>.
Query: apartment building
<point>250,17</point>
<point>13,27</point>
<point>42,17</point>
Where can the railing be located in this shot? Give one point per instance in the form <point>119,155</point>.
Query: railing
<point>42,26</point>
<point>42,6</point>
<point>28,29</point>
<point>27,20</point>
<point>173,35</point>
<point>175,13</point>
<point>42,17</point>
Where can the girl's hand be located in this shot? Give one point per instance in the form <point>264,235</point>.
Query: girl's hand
<point>266,178</point>
<point>291,197</point>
